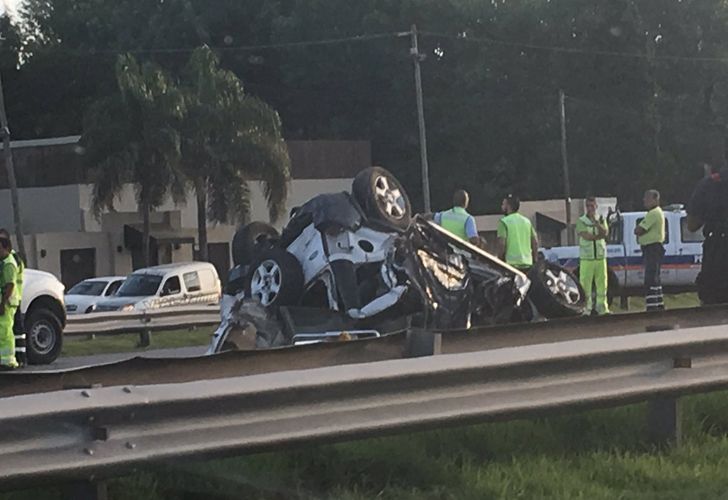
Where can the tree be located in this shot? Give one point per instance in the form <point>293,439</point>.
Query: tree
<point>132,137</point>
<point>228,139</point>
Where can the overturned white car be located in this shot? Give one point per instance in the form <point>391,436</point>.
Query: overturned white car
<point>359,265</point>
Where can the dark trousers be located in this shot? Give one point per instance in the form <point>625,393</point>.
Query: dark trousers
<point>653,284</point>
<point>713,278</point>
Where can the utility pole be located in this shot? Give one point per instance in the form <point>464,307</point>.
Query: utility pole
<point>8,154</point>
<point>417,58</point>
<point>565,161</point>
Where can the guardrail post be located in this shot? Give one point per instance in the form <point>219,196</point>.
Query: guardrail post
<point>663,421</point>
<point>422,343</point>
<point>87,490</point>
<point>145,338</point>
<point>664,415</point>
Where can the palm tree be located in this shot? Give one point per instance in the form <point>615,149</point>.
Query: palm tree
<point>132,137</point>
<point>228,139</point>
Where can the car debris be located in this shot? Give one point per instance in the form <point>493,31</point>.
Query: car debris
<point>357,265</point>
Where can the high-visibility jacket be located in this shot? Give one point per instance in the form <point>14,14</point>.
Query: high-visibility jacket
<point>454,221</point>
<point>7,276</point>
<point>518,232</point>
<point>591,250</point>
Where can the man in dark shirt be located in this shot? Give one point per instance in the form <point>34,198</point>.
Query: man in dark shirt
<point>708,209</point>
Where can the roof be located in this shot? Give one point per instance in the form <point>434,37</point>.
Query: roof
<point>106,278</point>
<point>175,266</point>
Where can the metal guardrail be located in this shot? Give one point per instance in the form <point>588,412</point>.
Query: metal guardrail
<point>78,433</point>
<point>142,321</point>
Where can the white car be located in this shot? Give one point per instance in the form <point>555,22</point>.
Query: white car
<point>169,285</point>
<point>83,296</point>
<point>45,316</point>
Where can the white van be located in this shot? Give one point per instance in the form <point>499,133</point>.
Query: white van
<point>170,285</point>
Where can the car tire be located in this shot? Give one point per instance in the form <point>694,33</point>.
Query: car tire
<point>382,197</point>
<point>44,339</point>
<point>247,238</point>
<point>276,279</point>
<point>556,292</point>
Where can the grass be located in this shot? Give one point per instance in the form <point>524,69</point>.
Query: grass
<point>83,346</point>
<point>673,301</point>
<point>593,455</point>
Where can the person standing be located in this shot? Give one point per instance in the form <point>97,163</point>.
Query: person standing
<point>708,208</point>
<point>457,220</point>
<point>19,321</point>
<point>650,234</point>
<point>9,302</point>
<point>517,241</point>
<point>592,230</point>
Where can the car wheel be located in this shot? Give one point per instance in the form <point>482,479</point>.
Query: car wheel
<point>44,337</point>
<point>247,238</point>
<point>556,292</point>
<point>276,279</point>
<point>382,197</point>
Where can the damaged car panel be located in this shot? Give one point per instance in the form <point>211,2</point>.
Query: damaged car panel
<point>359,270</point>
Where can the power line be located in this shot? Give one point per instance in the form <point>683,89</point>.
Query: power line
<point>573,50</point>
<point>243,48</point>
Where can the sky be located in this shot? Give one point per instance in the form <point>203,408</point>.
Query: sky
<point>9,4</point>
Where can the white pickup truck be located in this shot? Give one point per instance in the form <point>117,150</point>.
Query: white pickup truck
<point>45,316</point>
<point>680,265</point>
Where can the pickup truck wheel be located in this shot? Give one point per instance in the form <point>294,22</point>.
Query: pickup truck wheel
<point>44,337</point>
<point>555,291</point>
<point>382,197</point>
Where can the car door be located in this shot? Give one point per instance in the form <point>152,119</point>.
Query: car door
<point>690,250</point>
<point>171,294</point>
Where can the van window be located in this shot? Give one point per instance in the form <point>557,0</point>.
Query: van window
<point>171,286</point>
<point>192,281</point>
<point>688,236</point>
<point>667,228</point>
<point>140,285</point>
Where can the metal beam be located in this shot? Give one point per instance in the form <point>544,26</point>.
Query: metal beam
<point>76,433</point>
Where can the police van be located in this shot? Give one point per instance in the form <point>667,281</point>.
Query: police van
<point>680,265</point>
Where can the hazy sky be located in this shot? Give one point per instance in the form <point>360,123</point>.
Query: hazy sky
<point>10,4</point>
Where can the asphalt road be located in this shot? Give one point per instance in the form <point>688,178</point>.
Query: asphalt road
<point>71,363</point>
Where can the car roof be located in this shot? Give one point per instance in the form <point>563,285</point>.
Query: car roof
<point>106,278</point>
<point>176,267</point>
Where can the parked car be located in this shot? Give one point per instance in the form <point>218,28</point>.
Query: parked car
<point>45,316</point>
<point>83,297</point>
<point>361,265</point>
<point>166,286</point>
<point>680,265</point>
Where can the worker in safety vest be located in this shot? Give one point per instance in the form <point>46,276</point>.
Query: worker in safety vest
<point>9,302</point>
<point>19,321</point>
<point>517,241</point>
<point>650,234</point>
<point>457,220</point>
<point>592,230</point>
<point>708,209</point>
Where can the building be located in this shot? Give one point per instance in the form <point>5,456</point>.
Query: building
<point>64,237</point>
